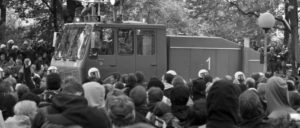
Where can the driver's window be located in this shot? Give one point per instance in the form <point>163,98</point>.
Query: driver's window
<point>125,42</point>
<point>104,41</point>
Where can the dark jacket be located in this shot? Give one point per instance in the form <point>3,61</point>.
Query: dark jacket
<point>60,103</point>
<point>222,105</point>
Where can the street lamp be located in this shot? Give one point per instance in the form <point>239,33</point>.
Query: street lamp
<point>266,21</point>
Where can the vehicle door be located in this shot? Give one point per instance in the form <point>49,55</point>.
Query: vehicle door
<point>146,52</point>
<point>104,44</point>
<point>125,51</point>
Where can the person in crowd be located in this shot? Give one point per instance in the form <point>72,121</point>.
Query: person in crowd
<point>250,83</point>
<point>21,89</point>
<point>139,97</point>
<point>25,112</point>
<point>112,79</point>
<point>155,95</point>
<point>252,110</point>
<point>239,80</point>
<point>162,111</point>
<point>179,99</point>
<point>198,89</point>
<point>94,75</point>
<point>53,84</point>
<point>79,117</point>
<point>261,90</point>
<point>7,99</point>
<point>155,82</point>
<point>95,94</point>
<point>70,96</point>
<point>140,79</point>
<point>3,60</point>
<point>278,104</point>
<point>222,105</point>
<point>167,81</point>
<point>122,112</point>
<point>52,69</point>
<point>131,83</point>
<point>178,80</point>
<point>31,96</point>
<point>295,101</point>
<point>124,78</point>
<point>119,85</point>
<point>202,73</point>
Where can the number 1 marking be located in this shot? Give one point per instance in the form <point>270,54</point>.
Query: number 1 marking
<point>208,62</point>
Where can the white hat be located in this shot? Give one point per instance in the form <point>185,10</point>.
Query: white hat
<point>2,46</point>
<point>10,41</point>
<point>202,73</point>
<point>52,69</point>
<point>92,71</point>
<point>239,73</point>
<point>172,72</point>
<point>15,47</point>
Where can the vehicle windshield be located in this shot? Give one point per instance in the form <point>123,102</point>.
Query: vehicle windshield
<point>72,42</point>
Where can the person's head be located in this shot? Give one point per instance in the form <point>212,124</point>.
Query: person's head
<point>69,79</point>
<point>53,81</point>
<point>131,80</point>
<point>94,73</point>
<point>26,108</point>
<point>202,73</point>
<point>6,87</point>
<point>95,94</point>
<point>72,87</point>
<point>161,109</point>
<point>140,77</point>
<point>240,77</point>
<point>121,111</point>
<point>222,103</point>
<point>179,95</point>
<point>155,82</point>
<point>276,94</point>
<point>295,100</point>
<point>291,85</point>
<point>178,81</point>
<point>155,94</point>
<point>124,78</point>
<point>250,83</point>
<point>52,69</point>
<point>21,90</point>
<point>198,89</point>
<point>31,96</point>
<point>138,95</point>
<point>119,85</point>
<point>2,56</point>
<point>250,105</point>
<point>2,74</point>
<point>228,77</point>
<point>168,77</point>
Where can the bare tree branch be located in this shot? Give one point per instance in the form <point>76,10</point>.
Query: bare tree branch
<point>46,3</point>
<point>233,3</point>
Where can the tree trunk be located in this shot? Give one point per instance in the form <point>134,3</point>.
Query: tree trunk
<point>2,20</point>
<point>286,31</point>
<point>54,14</point>
<point>294,34</point>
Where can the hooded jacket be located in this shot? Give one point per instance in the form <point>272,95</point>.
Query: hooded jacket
<point>60,103</point>
<point>95,94</point>
<point>278,104</point>
<point>222,105</point>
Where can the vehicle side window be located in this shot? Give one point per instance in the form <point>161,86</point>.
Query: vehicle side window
<point>125,42</point>
<point>104,41</point>
<point>145,42</point>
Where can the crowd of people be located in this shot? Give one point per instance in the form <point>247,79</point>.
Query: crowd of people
<point>33,95</point>
<point>129,101</point>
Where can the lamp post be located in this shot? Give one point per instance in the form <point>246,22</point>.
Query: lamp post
<point>266,21</point>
